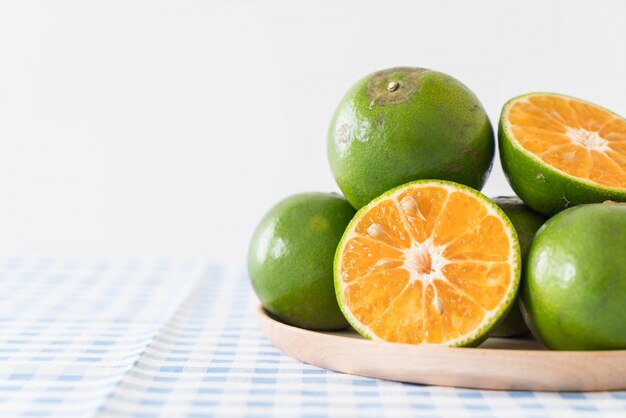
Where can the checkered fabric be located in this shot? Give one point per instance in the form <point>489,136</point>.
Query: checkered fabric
<point>167,339</point>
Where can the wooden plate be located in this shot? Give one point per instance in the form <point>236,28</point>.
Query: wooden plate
<point>503,364</point>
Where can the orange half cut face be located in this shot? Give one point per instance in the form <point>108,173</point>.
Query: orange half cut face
<point>575,137</point>
<point>430,262</point>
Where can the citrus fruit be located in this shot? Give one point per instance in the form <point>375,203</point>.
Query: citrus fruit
<point>526,223</point>
<point>290,259</point>
<point>404,124</point>
<point>575,289</point>
<point>558,151</point>
<point>430,262</point>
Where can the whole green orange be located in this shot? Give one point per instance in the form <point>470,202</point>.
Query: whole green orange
<point>404,124</point>
<point>574,294</point>
<point>526,223</point>
<point>290,259</point>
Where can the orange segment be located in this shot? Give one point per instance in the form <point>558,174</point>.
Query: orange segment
<point>383,223</point>
<point>364,256</point>
<point>540,140</point>
<point>573,136</point>
<point>491,286</point>
<point>452,313</point>
<point>615,130</point>
<point>461,214</point>
<point>489,242</point>
<point>369,299</point>
<point>607,171</point>
<point>421,209</point>
<point>439,267</point>
<point>407,313</point>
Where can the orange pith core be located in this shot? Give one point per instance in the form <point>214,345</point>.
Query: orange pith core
<point>575,137</point>
<point>425,265</point>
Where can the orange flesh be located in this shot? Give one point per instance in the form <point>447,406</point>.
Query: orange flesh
<point>426,265</point>
<point>578,138</point>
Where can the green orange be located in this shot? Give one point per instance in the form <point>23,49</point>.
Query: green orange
<point>526,223</point>
<point>558,151</point>
<point>430,262</point>
<point>574,293</point>
<point>404,124</point>
<point>290,259</point>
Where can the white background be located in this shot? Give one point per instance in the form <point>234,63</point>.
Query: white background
<point>167,128</point>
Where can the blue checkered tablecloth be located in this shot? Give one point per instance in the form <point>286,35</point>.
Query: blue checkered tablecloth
<point>141,338</point>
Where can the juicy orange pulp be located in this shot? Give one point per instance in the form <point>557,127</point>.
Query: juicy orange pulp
<point>430,264</point>
<point>578,138</point>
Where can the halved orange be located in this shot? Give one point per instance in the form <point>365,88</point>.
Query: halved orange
<point>559,151</point>
<point>430,262</point>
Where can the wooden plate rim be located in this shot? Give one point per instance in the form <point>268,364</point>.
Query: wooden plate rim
<point>537,370</point>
